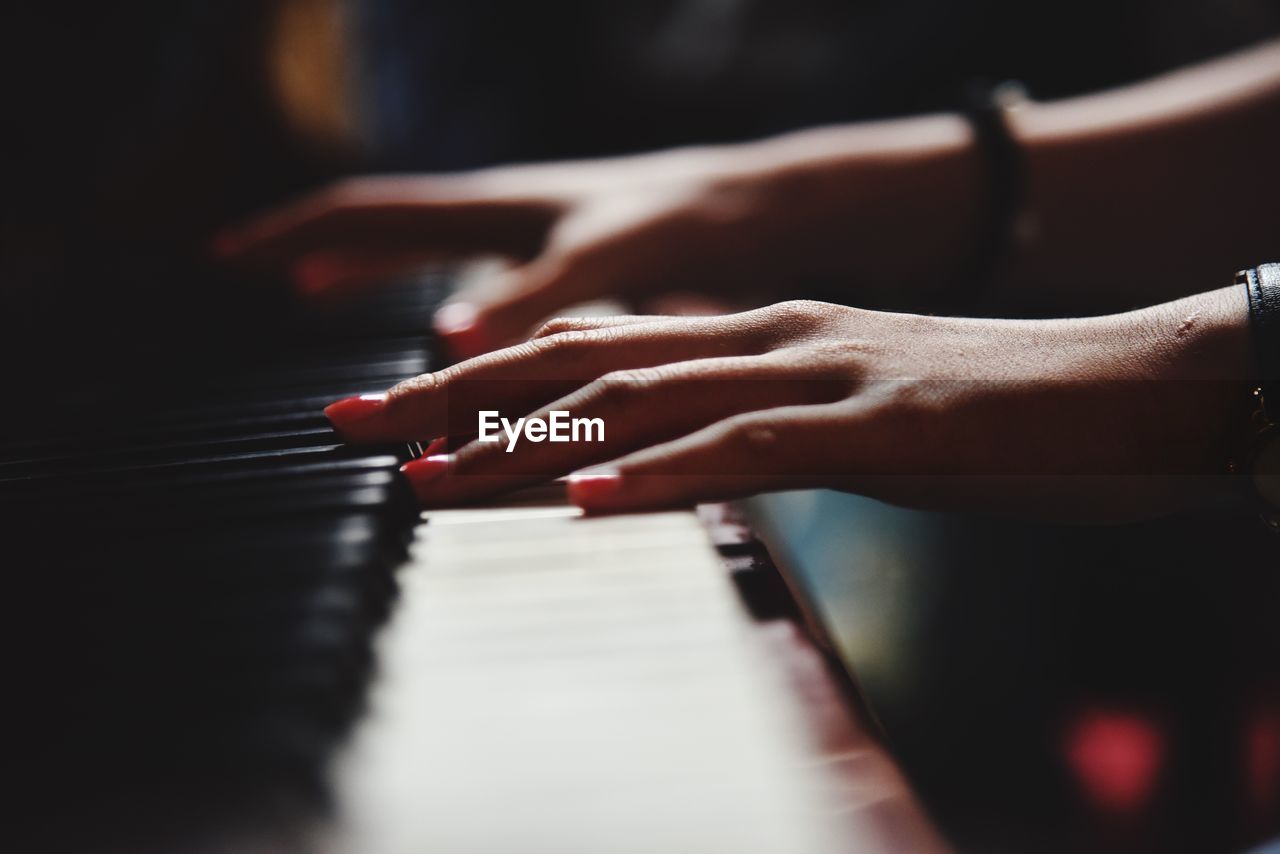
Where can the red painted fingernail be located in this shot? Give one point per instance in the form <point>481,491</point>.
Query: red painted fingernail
<point>591,487</point>
<point>437,446</point>
<point>458,323</point>
<point>352,410</point>
<point>455,317</point>
<point>426,469</point>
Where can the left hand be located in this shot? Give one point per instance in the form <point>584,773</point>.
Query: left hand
<point>1098,419</point>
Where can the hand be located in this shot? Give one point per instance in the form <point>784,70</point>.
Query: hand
<point>1092,419</point>
<point>572,232</point>
<point>884,205</point>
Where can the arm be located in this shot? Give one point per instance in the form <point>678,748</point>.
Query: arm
<point>1148,192</point>
<point>1140,195</point>
<point>1136,195</point>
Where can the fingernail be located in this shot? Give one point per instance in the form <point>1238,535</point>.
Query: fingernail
<point>455,317</point>
<point>437,446</point>
<point>459,324</point>
<point>591,487</point>
<point>352,410</point>
<point>426,469</point>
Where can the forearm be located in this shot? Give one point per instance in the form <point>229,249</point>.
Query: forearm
<point>1200,347</point>
<point>1148,192</point>
<point>1203,337</point>
<point>1137,195</point>
<point>890,207</point>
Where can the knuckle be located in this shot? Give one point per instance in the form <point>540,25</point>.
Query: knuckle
<point>415,386</point>
<point>799,311</point>
<point>557,326</point>
<point>561,344</point>
<point>786,322</point>
<point>753,437</point>
<point>626,385</point>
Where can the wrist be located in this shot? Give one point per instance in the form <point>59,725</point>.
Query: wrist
<point>1194,357</point>
<point>1203,337</point>
<point>887,205</point>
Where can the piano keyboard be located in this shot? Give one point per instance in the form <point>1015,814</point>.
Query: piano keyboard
<point>557,684</point>
<point>205,591</point>
<point>198,584</point>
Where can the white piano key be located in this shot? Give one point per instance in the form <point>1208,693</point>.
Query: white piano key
<point>551,683</point>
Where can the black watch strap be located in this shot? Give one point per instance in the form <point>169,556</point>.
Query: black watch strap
<point>1262,283</point>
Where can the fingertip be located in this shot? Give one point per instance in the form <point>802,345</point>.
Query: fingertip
<point>436,446</point>
<point>595,490</point>
<point>460,326</point>
<point>454,317</point>
<point>424,471</point>
<point>348,414</point>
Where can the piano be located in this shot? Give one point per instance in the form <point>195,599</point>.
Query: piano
<point>228,632</point>
<point>250,639</point>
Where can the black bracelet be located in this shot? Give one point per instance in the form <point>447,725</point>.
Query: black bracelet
<point>1262,284</point>
<point>1004,173</point>
<point>1260,456</point>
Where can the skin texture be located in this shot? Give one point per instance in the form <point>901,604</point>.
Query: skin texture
<point>726,221</point>
<point>889,210</point>
<point>1099,419</point>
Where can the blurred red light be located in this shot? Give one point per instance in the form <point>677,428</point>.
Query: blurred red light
<point>1116,756</point>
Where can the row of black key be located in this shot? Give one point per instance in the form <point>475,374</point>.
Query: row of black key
<point>202,579</point>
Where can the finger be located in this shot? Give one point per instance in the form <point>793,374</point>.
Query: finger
<point>510,305</point>
<point>446,445</point>
<point>686,304</point>
<point>460,326</point>
<point>627,410</point>
<point>514,301</point>
<point>602,321</point>
<point>794,447</point>
<point>393,215</point>
<point>519,379</point>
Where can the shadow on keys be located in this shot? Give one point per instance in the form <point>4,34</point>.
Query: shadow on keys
<point>194,565</point>
<point>194,587</point>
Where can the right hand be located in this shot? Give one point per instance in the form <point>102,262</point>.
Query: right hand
<point>886,207</point>
<point>572,232</point>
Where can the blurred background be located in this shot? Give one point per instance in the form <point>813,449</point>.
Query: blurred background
<point>1045,689</point>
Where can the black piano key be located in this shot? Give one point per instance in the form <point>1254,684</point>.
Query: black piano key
<point>117,454</point>
<point>209,564</point>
